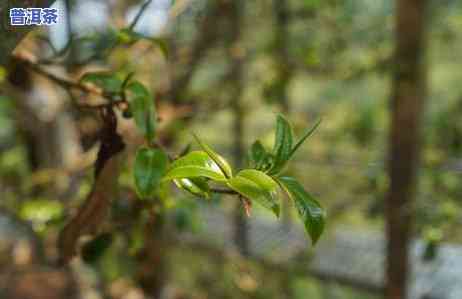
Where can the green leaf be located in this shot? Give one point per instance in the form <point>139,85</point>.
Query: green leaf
<point>257,152</point>
<point>260,178</point>
<point>282,144</point>
<point>108,81</point>
<point>3,74</point>
<point>143,109</point>
<point>193,172</point>
<point>259,157</point>
<point>219,160</point>
<point>305,136</point>
<point>41,211</point>
<point>128,36</point>
<point>195,186</point>
<point>256,186</point>
<point>308,208</point>
<point>150,166</point>
<point>193,165</point>
<point>311,4</point>
<point>127,79</point>
<point>268,162</point>
<point>138,89</point>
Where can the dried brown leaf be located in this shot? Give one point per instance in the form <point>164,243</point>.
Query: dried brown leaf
<point>94,209</point>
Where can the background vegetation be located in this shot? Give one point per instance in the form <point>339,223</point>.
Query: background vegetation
<point>224,70</point>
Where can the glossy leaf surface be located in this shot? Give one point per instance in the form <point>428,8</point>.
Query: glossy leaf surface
<point>150,166</point>
<point>193,165</point>
<point>219,160</point>
<point>256,186</point>
<point>308,208</point>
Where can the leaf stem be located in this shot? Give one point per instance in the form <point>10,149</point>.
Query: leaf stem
<point>305,136</point>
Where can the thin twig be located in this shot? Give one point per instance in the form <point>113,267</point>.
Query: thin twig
<point>69,85</point>
<point>223,191</point>
<point>138,15</point>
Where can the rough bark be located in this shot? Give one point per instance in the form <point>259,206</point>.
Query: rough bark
<point>10,36</point>
<point>406,111</point>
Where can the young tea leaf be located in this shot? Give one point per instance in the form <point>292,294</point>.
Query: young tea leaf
<point>259,157</point>
<point>282,144</point>
<point>195,186</point>
<point>108,81</point>
<point>126,36</point>
<point>304,137</point>
<point>219,160</point>
<point>143,108</point>
<point>256,154</point>
<point>194,172</point>
<point>256,186</point>
<point>308,208</point>
<point>150,166</point>
<point>193,165</point>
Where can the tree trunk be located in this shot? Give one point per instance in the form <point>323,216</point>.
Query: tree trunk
<point>44,121</point>
<point>152,270</point>
<point>284,75</point>
<point>235,51</point>
<point>281,10</point>
<point>183,69</point>
<point>406,110</point>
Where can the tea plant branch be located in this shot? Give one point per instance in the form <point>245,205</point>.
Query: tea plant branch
<point>73,85</point>
<point>223,191</point>
<point>139,14</point>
